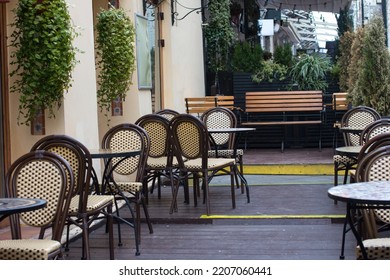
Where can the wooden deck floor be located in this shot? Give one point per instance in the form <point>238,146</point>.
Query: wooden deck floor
<point>282,222</point>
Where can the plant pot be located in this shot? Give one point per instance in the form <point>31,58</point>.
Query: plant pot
<point>38,123</point>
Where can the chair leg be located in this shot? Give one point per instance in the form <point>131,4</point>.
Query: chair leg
<point>232,176</point>
<point>110,231</point>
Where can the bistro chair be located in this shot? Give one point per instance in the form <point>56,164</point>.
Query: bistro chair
<point>372,144</point>
<point>375,167</point>
<point>160,163</point>
<point>85,208</point>
<point>377,127</point>
<point>223,144</point>
<point>44,175</point>
<point>358,118</point>
<point>128,174</point>
<point>169,114</point>
<point>191,141</point>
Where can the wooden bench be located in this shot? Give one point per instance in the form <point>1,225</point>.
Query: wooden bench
<point>284,108</point>
<point>199,105</point>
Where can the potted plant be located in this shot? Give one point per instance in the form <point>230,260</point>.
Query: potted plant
<point>43,56</point>
<point>309,72</point>
<point>115,56</point>
<point>372,84</point>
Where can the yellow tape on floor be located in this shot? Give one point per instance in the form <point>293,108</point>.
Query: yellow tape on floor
<point>314,216</point>
<point>290,169</point>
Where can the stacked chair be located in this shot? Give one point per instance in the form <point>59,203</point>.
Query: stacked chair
<point>191,142</point>
<point>128,175</point>
<point>85,208</point>
<point>160,164</point>
<point>44,175</point>
<point>223,143</point>
<point>375,167</point>
<point>358,117</point>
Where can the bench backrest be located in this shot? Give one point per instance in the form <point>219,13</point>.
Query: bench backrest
<point>283,101</point>
<point>340,102</point>
<point>199,105</point>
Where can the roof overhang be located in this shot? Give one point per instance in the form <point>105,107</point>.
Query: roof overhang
<point>332,6</point>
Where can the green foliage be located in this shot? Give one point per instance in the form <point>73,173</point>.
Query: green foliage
<point>344,21</point>
<point>354,92</point>
<point>373,83</point>
<point>344,60</point>
<point>219,35</point>
<point>44,57</point>
<point>246,58</point>
<point>269,72</point>
<point>283,55</point>
<point>116,56</point>
<point>309,72</point>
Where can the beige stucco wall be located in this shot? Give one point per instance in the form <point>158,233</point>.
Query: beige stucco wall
<point>79,116</point>
<point>182,56</point>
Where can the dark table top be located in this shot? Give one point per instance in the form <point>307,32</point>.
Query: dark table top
<point>10,206</point>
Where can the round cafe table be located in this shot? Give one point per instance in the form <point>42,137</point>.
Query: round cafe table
<point>9,206</point>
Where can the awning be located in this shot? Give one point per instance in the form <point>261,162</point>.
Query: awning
<point>333,6</point>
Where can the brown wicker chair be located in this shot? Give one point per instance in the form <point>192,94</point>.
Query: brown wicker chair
<point>160,163</point>
<point>191,141</point>
<point>43,175</point>
<point>375,167</point>
<point>221,117</point>
<point>169,114</point>
<point>85,208</point>
<point>133,137</point>
<point>358,117</point>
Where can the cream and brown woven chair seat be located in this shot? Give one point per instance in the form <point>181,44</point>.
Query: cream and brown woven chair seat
<point>32,249</point>
<point>196,164</point>
<point>94,202</point>
<point>377,249</point>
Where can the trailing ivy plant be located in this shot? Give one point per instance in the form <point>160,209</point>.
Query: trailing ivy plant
<point>115,56</point>
<point>43,56</point>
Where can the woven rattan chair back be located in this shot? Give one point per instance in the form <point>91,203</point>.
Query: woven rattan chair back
<point>169,114</point>
<point>190,137</point>
<point>220,117</point>
<point>157,128</point>
<point>79,158</point>
<point>128,136</point>
<point>378,127</point>
<point>358,117</point>
<point>44,175</point>
<point>84,207</point>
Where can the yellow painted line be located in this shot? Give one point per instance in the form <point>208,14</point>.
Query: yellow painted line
<point>289,169</point>
<point>272,216</point>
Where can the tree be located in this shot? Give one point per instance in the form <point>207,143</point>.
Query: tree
<point>344,59</point>
<point>219,35</point>
<point>354,91</point>
<point>374,77</point>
